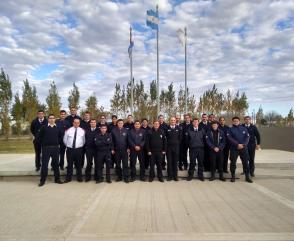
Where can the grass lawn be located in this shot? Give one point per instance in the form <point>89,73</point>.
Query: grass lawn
<point>16,146</point>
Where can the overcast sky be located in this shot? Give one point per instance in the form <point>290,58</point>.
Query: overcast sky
<point>241,45</point>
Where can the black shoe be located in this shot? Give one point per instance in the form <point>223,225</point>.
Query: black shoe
<point>160,179</point>
<point>99,181</point>
<point>62,168</point>
<point>252,175</point>
<point>248,180</point>
<point>150,180</point>
<point>80,179</point>
<point>118,179</point>
<point>37,169</point>
<point>176,179</point>
<point>222,179</point>
<point>164,168</point>
<point>67,181</point>
<point>108,180</point>
<point>233,179</point>
<point>87,179</point>
<point>132,179</point>
<point>226,171</point>
<point>181,168</point>
<point>242,173</point>
<point>185,168</point>
<point>52,169</point>
<point>201,179</point>
<point>168,179</point>
<point>211,178</point>
<point>189,178</point>
<point>142,179</point>
<point>58,182</point>
<point>126,180</point>
<point>41,184</point>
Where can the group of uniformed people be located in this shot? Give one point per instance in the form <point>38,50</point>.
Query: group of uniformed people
<point>119,145</point>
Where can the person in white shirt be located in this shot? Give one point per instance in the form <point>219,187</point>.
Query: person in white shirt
<point>74,139</point>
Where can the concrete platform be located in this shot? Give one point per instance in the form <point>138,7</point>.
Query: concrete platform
<point>145,211</point>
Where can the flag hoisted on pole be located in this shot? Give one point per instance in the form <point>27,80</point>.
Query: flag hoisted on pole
<point>153,21</point>
<point>130,51</point>
<point>182,36</point>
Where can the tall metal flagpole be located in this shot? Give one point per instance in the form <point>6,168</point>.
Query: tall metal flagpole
<point>186,90</point>
<point>131,74</point>
<point>157,87</point>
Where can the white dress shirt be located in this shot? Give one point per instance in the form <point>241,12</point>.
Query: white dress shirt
<point>69,137</point>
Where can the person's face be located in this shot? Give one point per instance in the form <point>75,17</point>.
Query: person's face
<point>172,121</point>
<point>137,125</point>
<point>93,124</point>
<point>161,119</point>
<point>195,123</point>
<point>236,122</point>
<point>103,130</point>
<point>145,123</point>
<point>178,119</point>
<point>73,111</point>
<point>51,120</point>
<point>87,117</point>
<point>222,121</point>
<point>40,115</point>
<point>214,127</point>
<point>247,121</point>
<point>130,119</point>
<point>156,125</point>
<point>204,118</point>
<point>187,119</point>
<point>102,119</point>
<point>211,118</point>
<point>120,124</point>
<point>62,115</point>
<point>76,123</point>
<point>114,120</point>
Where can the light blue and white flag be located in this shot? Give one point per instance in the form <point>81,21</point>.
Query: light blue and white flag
<point>130,49</point>
<point>152,19</point>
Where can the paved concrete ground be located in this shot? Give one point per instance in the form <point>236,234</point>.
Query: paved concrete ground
<point>139,211</point>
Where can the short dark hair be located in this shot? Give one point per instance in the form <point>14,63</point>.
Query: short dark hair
<point>120,120</point>
<point>203,114</point>
<point>144,119</point>
<point>195,119</point>
<point>76,119</point>
<point>222,117</point>
<point>137,121</point>
<point>129,116</point>
<point>51,115</point>
<point>87,112</point>
<point>39,111</point>
<point>103,125</point>
<point>102,115</point>
<point>247,117</point>
<point>235,118</point>
<point>214,122</point>
<point>155,121</point>
<point>160,116</point>
<point>187,114</point>
<point>92,119</point>
<point>62,111</point>
<point>114,116</point>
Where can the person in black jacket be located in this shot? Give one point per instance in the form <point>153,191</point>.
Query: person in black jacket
<point>36,125</point>
<point>120,151</point>
<point>195,137</point>
<point>130,123</point>
<point>254,143</point>
<point>145,126</point>
<point>184,146</point>
<point>73,115</point>
<point>90,148</point>
<point>104,144</point>
<point>163,126</point>
<point>204,124</point>
<point>110,127</point>
<point>50,137</point>
<point>173,137</point>
<point>156,147</point>
<point>222,126</point>
<point>216,142</point>
<point>136,140</point>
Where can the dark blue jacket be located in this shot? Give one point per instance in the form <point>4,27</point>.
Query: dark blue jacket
<point>90,137</point>
<point>173,136</point>
<point>136,138</point>
<point>36,126</point>
<point>237,135</point>
<point>184,127</point>
<point>254,135</point>
<point>111,126</point>
<point>63,125</point>
<point>221,139</point>
<point>128,126</point>
<point>85,125</point>
<point>195,139</point>
<point>120,138</point>
<point>70,119</point>
<point>163,126</point>
<point>206,126</point>
<point>103,142</point>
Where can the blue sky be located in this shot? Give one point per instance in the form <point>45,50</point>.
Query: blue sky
<point>238,45</point>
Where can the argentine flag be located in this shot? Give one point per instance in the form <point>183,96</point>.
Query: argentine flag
<point>152,19</point>
<point>130,49</point>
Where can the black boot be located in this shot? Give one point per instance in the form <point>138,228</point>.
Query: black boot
<point>233,178</point>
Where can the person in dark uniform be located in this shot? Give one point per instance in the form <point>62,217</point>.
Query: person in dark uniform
<point>184,146</point>
<point>195,138</point>
<point>204,124</point>
<point>254,143</point>
<point>211,118</point>
<point>73,115</point>
<point>91,151</point>
<point>145,126</point>
<point>63,125</point>
<point>130,123</point>
<point>222,126</point>
<point>50,136</point>
<point>173,137</point>
<point>120,151</point>
<point>102,121</point>
<point>238,137</point>
<point>36,125</point>
<point>163,126</point>
<point>136,140</point>
<point>104,144</point>
<point>111,126</point>
<point>74,139</point>
<point>156,147</point>
<point>215,139</point>
<point>85,123</point>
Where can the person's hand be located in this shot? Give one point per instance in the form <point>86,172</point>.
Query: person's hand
<point>240,146</point>
<point>137,148</point>
<point>112,152</point>
<point>128,150</point>
<point>163,153</point>
<point>216,149</point>
<point>149,153</point>
<point>257,147</point>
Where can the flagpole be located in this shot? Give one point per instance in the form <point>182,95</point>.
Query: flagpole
<point>157,87</point>
<point>186,90</point>
<point>131,75</point>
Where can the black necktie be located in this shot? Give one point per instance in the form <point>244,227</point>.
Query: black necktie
<point>75,138</point>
